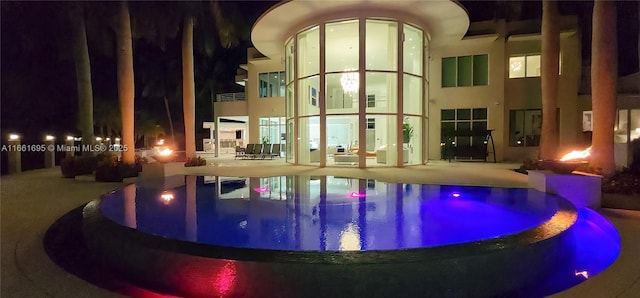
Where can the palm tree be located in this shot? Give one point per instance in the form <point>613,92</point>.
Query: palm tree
<point>83,74</point>
<point>125,82</point>
<point>604,69</point>
<point>188,88</point>
<point>549,79</point>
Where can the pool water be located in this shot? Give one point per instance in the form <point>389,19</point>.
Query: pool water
<point>326,214</point>
<point>333,214</point>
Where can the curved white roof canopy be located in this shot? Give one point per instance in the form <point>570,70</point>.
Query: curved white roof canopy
<point>442,20</point>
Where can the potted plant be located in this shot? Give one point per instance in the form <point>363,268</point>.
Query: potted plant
<point>407,133</point>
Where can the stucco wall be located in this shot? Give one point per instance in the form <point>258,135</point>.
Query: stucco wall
<point>261,107</point>
<point>490,96</point>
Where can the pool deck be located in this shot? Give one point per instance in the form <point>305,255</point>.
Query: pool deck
<point>31,201</point>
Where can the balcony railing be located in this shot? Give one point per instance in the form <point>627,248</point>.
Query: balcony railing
<point>225,97</point>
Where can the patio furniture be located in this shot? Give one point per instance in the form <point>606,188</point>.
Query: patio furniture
<point>239,152</point>
<point>249,151</point>
<point>275,151</point>
<point>266,150</point>
<point>257,151</point>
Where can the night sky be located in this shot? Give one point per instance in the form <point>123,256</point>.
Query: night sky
<point>38,93</point>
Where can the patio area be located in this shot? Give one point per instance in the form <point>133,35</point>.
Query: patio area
<point>32,201</point>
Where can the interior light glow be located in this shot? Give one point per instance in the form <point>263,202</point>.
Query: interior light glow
<point>350,81</point>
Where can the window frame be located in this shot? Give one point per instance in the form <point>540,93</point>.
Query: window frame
<point>524,128</point>
<point>281,89</point>
<point>471,68</point>
<point>525,56</point>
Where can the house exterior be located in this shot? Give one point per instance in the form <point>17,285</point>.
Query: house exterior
<point>380,83</point>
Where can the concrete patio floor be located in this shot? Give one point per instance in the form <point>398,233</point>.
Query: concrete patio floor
<point>31,201</point>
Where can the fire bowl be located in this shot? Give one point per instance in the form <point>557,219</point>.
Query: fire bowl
<point>164,158</point>
<point>561,167</point>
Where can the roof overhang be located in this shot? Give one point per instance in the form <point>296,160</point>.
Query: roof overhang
<point>442,20</point>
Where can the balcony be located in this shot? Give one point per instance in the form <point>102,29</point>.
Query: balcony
<point>227,97</point>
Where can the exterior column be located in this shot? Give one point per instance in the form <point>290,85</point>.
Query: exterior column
<point>400,113</point>
<point>362,96</point>
<point>14,155</point>
<point>50,155</point>
<point>322,97</point>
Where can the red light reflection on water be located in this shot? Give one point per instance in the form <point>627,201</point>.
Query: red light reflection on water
<point>226,278</point>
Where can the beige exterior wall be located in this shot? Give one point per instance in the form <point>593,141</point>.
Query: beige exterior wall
<point>254,106</point>
<point>525,93</point>
<point>261,107</point>
<point>490,97</point>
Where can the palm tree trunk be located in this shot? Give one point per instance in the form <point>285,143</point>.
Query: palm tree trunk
<point>166,105</point>
<point>549,79</point>
<point>126,83</point>
<point>83,76</point>
<point>604,69</point>
<point>188,88</point>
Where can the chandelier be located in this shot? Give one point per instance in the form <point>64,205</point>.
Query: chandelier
<point>350,81</point>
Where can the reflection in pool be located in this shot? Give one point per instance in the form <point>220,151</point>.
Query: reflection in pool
<point>325,213</point>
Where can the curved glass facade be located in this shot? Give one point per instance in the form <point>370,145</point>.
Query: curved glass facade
<point>361,99</point>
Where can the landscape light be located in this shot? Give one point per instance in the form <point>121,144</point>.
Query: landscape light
<point>14,137</point>
<point>70,138</point>
<point>49,138</point>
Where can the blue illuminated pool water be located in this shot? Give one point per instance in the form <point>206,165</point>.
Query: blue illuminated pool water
<point>326,214</point>
<point>297,213</point>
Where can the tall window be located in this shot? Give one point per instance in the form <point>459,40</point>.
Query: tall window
<point>525,127</point>
<point>465,71</point>
<point>272,130</point>
<point>271,84</point>
<point>463,127</point>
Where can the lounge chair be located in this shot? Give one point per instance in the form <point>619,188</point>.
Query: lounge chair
<point>275,151</point>
<point>257,151</point>
<point>239,152</point>
<point>249,151</point>
<point>266,151</point>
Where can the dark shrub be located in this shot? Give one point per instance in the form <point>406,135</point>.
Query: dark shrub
<point>195,162</point>
<point>108,173</point>
<point>68,167</point>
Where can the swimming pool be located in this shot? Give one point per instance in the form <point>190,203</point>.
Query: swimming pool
<point>342,230</point>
